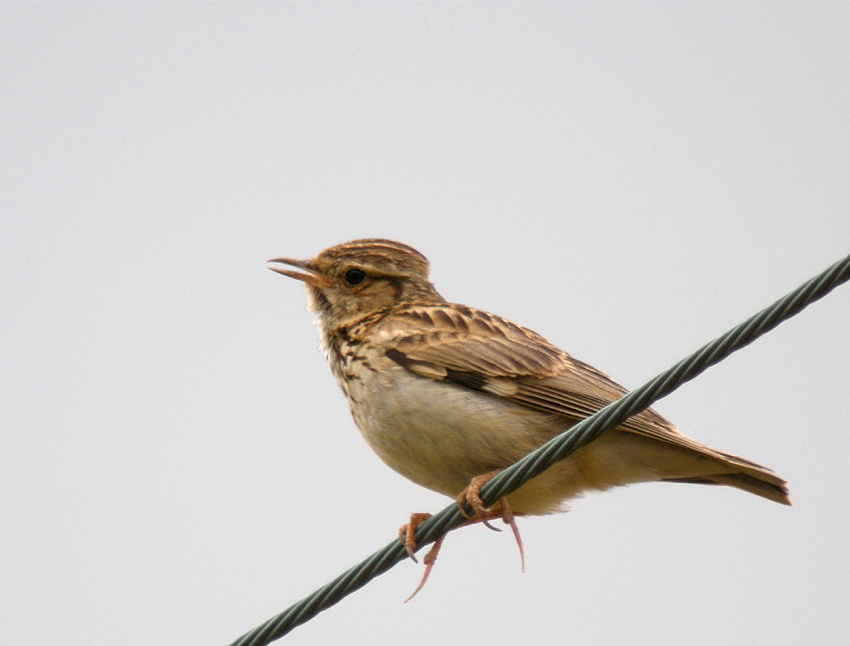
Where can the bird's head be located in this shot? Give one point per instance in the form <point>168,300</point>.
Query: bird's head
<point>352,281</point>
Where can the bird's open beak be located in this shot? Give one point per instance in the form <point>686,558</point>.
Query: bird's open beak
<point>311,278</point>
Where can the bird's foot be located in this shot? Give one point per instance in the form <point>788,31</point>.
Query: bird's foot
<point>472,495</point>
<point>428,561</point>
<point>482,515</point>
<point>407,534</point>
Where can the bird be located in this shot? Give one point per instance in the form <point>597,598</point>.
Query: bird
<point>448,395</point>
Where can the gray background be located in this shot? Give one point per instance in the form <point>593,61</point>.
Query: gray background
<point>629,180</point>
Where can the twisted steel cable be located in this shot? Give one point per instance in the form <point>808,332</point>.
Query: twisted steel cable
<point>555,450</point>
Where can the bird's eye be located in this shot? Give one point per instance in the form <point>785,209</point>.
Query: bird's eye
<point>354,276</point>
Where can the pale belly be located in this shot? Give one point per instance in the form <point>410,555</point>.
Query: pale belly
<point>440,436</point>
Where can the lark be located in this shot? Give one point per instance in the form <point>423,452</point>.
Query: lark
<point>448,395</point>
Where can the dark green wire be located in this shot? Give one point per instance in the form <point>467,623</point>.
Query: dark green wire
<point>555,450</point>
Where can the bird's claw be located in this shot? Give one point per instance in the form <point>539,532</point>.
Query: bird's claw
<point>407,534</point>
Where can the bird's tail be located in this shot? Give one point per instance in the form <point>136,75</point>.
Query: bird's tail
<point>749,476</point>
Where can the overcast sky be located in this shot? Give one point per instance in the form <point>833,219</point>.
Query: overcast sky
<point>629,180</point>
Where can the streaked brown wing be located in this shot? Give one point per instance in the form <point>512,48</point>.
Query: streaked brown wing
<point>485,352</point>
<point>467,340</point>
